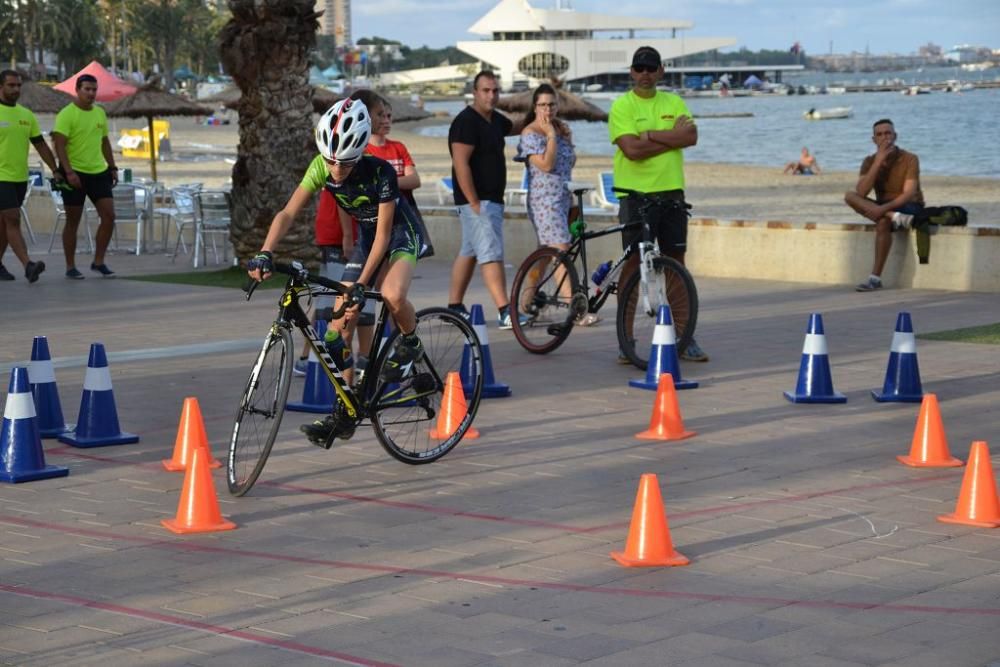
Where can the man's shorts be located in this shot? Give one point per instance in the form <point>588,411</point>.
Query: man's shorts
<point>482,234</point>
<point>95,186</point>
<point>12,194</point>
<point>404,240</point>
<point>668,219</point>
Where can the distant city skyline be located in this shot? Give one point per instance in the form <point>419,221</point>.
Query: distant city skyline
<point>891,26</point>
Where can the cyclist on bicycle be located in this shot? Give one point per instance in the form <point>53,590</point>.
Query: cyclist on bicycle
<point>385,253</point>
<point>650,128</point>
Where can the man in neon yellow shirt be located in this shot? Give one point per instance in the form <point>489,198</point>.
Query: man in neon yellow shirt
<point>80,136</point>
<point>18,128</point>
<point>650,129</point>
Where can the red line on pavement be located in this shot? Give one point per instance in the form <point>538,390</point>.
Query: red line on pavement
<point>489,579</point>
<point>209,628</point>
<point>479,516</point>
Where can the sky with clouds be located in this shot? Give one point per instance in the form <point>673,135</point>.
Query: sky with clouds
<point>882,26</point>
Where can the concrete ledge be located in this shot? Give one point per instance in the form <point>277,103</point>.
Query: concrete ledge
<point>961,259</point>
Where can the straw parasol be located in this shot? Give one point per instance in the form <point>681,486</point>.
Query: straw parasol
<point>150,101</point>
<point>571,107</point>
<point>42,99</point>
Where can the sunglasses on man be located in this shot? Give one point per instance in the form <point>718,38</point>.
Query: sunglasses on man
<point>644,69</point>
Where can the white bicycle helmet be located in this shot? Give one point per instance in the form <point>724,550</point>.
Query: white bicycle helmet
<point>343,131</point>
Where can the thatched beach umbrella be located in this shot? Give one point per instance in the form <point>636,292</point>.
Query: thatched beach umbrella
<point>42,99</point>
<point>571,107</point>
<point>150,101</point>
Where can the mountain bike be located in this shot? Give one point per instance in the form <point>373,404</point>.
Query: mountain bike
<point>548,289</point>
<point>402,412</point>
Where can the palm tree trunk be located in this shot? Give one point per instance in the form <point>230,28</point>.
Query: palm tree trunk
<point>265,47</point>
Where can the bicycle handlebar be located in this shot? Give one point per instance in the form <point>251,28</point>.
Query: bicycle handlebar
<point>299,272</point>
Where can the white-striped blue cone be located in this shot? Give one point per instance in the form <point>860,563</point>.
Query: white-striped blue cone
<point>318,394</point>
<point>97,423</point>
<point>491,388</point>
<point>902,375</point>
<point>22,458</point>
<point>663,355</point>
<point>41,375</point>
<point>815,384</point>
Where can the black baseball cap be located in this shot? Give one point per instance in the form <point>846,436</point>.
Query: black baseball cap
<point>646,56</point>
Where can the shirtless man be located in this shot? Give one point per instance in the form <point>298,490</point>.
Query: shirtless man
<point>806,164</point>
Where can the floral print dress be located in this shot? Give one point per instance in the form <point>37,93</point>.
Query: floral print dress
<point>548,199</point>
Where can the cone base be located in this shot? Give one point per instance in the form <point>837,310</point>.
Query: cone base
<point>803,398</point>
<point>315,408</point>
<point>950,462</point>
<point>175,526</point>
<point>53,432</point>
<point>653,434</point>
<point>954,518</point>
<point>494,391</point>
<point>893,397</point>
<point>47,472</point>
<point>471,434</point>
<point>673,560</point>
<point>651,386</point>
<point>172,466</point>
<point>122,438</point>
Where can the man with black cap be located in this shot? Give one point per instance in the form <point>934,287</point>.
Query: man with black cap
<point>650,129</point>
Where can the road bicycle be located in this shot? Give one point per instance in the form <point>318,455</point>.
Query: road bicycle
<point>548,289</point>
<point>403,412</point>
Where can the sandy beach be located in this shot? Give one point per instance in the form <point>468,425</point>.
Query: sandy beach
<point>725,191</point>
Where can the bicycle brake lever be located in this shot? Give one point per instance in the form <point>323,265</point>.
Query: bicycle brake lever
<point>250,286</point>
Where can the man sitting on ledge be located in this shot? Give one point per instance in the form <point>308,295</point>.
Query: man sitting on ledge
<point>895,176</point>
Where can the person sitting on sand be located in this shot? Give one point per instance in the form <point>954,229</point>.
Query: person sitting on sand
<point>806,165</point>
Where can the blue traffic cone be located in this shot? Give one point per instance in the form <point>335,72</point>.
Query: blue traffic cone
<point>22,458</point>
<point>97,423</point>
<point>318,394</point>
<point>902,376</point>
<point>815,384</point>
<point>663,355</point>
<point>42,378</point>
<point>491,388</point>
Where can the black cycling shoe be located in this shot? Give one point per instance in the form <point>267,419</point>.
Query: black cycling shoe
<point>402,359</point>
<point>323,432</point>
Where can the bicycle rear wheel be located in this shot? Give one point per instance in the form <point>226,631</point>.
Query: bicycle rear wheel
<point>669,284</point>
<point>261,408</point>
<point>543,289</point>
<point>407,415</point>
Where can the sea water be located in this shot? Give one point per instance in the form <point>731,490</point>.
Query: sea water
<point>954,134</point>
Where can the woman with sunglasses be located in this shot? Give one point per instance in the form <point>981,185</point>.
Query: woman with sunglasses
<point>385,253</point>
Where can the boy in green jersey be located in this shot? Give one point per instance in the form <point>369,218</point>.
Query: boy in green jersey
<point>18,128</point>
<point>80,136</point>
<point>650,129</point>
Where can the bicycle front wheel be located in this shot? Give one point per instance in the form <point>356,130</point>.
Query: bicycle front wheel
<point>669,284</point>
<point>414,420</point>
<point>260,412</point>
<point>543,289</point>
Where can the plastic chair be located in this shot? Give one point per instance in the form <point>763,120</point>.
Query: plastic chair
<point>518,196</point>
<point>129,211</point>
<point>212,210</point>
<point>445,189</point>
<point>604,196</point>
<point>182,212</point>
<point>24,212</point>
<point>60,209</point>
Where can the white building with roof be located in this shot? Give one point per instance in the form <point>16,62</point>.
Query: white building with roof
<point>525,42</point>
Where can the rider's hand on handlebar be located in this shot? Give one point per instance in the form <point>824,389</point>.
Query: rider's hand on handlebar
<point>261,266</point>
<point>356,296</point>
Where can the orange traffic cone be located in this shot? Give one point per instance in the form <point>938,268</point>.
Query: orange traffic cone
<point>666,423</point>
<point>453,409</point>
<point>198,510</point>
<point>190,434</point>
<point>649,543</point>
<point>930,446</point>
<point>978,504</point>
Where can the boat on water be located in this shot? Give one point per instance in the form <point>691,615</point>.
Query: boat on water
<point>828,114</point>
<point>916,90</point>
<point>836,90</point>
<point>955,86</point>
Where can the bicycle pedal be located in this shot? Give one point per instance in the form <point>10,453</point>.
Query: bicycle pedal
<point>557,329</point>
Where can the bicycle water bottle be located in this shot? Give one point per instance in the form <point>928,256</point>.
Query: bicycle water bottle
<point>336,347</point>
<point>601,273</point>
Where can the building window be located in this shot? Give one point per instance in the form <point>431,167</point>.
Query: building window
<point>543,65</point>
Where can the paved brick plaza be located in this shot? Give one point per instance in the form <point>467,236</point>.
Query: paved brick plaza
<point>810,545</point>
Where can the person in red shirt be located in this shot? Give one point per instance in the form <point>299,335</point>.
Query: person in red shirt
<point>395,153</point>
